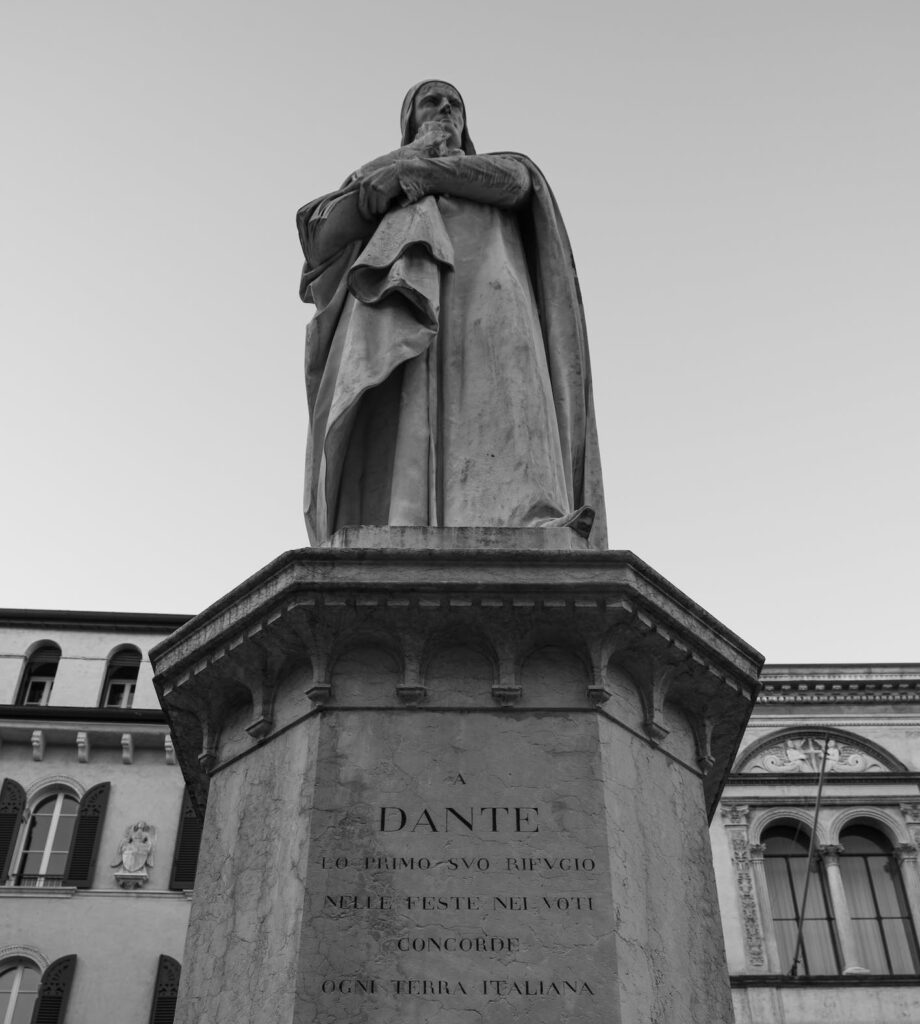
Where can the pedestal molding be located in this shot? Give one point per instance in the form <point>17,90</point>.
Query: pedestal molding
<point>219,766</point>
<point>298,616</point>
<point>597,579</point>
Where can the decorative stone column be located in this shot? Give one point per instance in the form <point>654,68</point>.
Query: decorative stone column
<point>910,868</point>
<point>910,876</point>
<point>759,872</point>
<point>736,819</point>
<point>849,948</point>
<point>463,775</point>
<point>911,812</point>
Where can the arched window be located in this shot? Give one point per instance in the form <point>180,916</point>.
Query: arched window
<point>29,996</point>
<point>165,991</point>
<point>19,980</point>
<point>877,902</point>
<point>38,677</point>
<point>787,867</point>
<point>43,857</point>
<point>121,678</point>
<point>58,842</point>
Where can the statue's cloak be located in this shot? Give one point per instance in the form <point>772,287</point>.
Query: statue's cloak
<point>378,309</point>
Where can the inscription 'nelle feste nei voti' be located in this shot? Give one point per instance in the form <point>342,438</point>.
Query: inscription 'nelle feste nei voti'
<point>367,901</point>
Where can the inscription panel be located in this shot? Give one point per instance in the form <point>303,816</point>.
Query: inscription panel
<point>459,868</point>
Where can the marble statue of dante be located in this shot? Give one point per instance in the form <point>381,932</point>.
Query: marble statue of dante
<point>447,366</point>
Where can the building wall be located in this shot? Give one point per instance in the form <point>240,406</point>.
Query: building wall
<point>871,716</point>
<point>86,643</point>
<point>867,1004</point>
<point>117,934</point>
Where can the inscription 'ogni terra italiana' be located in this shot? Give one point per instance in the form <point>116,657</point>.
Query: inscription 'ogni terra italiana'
<point>440,987</point>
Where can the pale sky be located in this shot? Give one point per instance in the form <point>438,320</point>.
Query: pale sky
<point>740,184</point>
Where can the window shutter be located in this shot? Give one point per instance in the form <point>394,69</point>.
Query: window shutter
<point>87,833</point>
<point>166,991</point>
<point>188,841</point>
<point>12,804</point>
<point>53,992</point>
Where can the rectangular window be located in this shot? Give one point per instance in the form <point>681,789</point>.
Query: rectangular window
<point>38,690</point>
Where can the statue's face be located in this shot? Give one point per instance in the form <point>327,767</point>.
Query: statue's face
<point>437,101</point>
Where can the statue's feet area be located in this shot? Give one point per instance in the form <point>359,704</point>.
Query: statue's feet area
<point>581,521</point>
<point>472,538</point>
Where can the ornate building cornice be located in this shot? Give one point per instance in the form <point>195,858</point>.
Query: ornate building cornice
<point>897,683</point>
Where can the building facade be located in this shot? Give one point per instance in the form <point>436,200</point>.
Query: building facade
<point>820,899</point>
<point>815,848</point>
<point>93,903</point>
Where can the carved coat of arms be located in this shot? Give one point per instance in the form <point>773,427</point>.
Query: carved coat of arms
<point>135,854</point>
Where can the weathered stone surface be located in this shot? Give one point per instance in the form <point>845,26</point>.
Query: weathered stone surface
<point>243,941</point>
<point>452,871</point>
<point>456,538</point>
<point>455,784</point>
<point>447,369</point>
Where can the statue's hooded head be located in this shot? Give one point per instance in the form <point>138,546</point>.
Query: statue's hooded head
<point>407,116</point>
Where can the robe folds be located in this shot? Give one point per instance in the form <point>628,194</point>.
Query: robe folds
<point>447,370</point>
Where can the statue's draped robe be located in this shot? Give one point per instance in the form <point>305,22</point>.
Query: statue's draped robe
<point>447,369</point>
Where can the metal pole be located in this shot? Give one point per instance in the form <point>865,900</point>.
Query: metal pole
<point>794,969</point>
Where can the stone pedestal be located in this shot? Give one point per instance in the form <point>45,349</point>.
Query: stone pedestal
<point>455,779</point>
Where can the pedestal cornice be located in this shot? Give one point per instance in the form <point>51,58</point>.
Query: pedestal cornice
<point>610,610</point>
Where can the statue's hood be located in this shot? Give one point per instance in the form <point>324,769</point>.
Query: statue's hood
<point>405,115</point>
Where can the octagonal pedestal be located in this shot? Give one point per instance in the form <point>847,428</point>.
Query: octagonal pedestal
<point>455,783</point>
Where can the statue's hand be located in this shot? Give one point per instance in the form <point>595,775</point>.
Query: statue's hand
<point>432,139</point>
<point>377,191</point>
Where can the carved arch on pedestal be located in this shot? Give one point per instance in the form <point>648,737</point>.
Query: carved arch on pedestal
<point>623,695</point>
<point>368,637</point>
<point>480,651</point>
<point>467,636</point>
<point>543,636</point>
